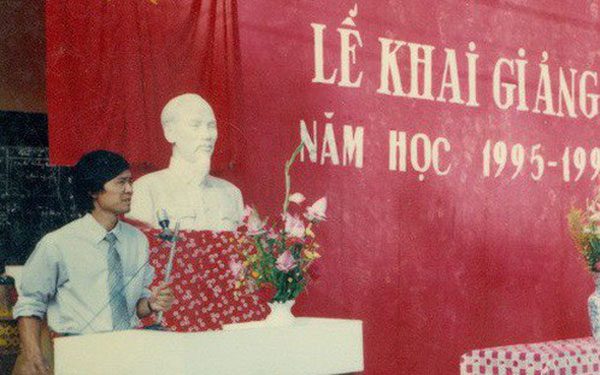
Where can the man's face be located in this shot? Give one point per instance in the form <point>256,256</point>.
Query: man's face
<point>116,196</point>
<point>194,132</point>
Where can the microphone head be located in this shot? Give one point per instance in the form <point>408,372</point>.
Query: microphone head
<point>164,224</point>
<point>163,220</point>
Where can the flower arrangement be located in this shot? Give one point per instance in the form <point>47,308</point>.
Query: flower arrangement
<point>279,254</point>
<point>584,227</point>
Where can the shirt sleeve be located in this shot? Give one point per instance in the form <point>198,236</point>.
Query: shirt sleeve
<point>38,281</point>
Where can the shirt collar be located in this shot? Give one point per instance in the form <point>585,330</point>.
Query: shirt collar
<point>184,171</point>
<point>97,232</point>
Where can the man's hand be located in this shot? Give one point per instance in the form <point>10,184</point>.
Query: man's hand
<point>32,365</point>
<point>31,360</point>
<point>162,297</point>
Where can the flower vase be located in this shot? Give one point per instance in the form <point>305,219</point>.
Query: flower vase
<point>594,308</point>
<point>281,314</point>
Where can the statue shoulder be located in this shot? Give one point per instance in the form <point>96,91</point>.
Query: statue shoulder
<point>150,179</point>
<point>224,185</point>
<point>228,190</point>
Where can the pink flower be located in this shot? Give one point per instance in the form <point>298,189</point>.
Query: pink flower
<point>285,262</point>
<point>272,235</point>
<point>236,268</point>
<point>294,227</point>
<point>316,212</point>
<point>297,198</point>
<point>247,212</point>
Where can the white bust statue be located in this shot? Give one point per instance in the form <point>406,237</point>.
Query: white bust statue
<point>186,190</point>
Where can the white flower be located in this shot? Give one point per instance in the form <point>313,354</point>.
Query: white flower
<point>294,227</point>
<point>316,212</point>
<point>297,198</point>
<point>254,225</point>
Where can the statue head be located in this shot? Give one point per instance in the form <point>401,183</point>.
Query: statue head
<point>189,125</point>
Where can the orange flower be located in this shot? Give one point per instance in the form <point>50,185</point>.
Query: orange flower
<point>311,255</point>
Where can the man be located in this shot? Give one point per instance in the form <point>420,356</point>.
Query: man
<point>185,190</point>
<point>92,275</point>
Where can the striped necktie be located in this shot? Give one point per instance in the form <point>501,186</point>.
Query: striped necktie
<point>116,286</point>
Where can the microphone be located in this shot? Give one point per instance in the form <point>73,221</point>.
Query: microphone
<point>163,220</point>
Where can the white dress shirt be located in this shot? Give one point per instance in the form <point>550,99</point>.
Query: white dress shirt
<point>66,277</point>
<point>199,202</point>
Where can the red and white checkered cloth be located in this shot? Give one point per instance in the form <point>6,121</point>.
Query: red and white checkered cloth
<point>564,357</point>
<point>205,294</point>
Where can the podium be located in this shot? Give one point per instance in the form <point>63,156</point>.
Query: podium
<point>309,346</point>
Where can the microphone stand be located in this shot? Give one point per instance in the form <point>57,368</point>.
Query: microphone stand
<point>171,237</point>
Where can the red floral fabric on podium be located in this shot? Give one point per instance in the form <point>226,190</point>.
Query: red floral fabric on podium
<point>205,294</point>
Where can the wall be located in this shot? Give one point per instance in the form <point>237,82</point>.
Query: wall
<point>22,56</point>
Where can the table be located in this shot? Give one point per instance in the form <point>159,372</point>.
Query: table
<point>563,357</point>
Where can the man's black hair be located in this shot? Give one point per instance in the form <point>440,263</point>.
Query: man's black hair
<point>91,172</point>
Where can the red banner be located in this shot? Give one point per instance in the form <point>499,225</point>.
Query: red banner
<point>451,139</point>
